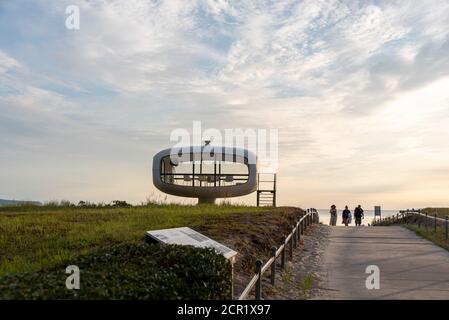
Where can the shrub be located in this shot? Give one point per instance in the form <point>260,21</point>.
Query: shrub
<point>120,204</point>
<point>131,271</point>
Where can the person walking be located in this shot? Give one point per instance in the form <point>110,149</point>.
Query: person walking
<point>333,213</point>
<point>358,214</point>
<point>345,216</point>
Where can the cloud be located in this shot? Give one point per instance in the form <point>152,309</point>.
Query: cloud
<point>7,63</point>
<point>356,88</point>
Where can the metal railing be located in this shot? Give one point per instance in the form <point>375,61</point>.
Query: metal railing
<point>289,242</point>
<point>404,217</point>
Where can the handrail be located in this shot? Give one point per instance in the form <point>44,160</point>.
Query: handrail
<point>405,218</point>
<point>279,251</point>
<point>267,265</point>
<point>248,288</point>
<point>417,212</point>
<point>404,214</point>
<point>304,221</point>
<point>427,216</point>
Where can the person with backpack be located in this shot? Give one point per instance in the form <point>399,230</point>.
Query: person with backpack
<point>345,215</point>
<point>333,213</point>
<point>358,214</point>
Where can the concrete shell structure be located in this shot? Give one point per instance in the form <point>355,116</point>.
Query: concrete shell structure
<point>205,172</point>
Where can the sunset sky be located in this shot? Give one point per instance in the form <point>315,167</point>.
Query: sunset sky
<point>359,91</point>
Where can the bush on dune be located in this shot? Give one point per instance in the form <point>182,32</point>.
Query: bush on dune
<point>130,271</point>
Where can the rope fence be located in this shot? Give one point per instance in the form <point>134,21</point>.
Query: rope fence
<point>288,244</point>
<point>422,219</point>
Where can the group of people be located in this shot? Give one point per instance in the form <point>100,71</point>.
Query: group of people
<point>346,215</point>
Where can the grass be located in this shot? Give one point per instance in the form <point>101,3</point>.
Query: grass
<point>287,274</point>
<point>439,237</point>
<point>303,286</point>
<point>417,225</point>
<point>32,238</point>
<point>307,283</point>
<point>441,212</point>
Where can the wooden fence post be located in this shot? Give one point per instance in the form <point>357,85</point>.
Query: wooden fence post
<point>283,254</point>
<point>291,247</point>
<point>295,238</point>
<point>259,280</point>
<point>273,265</point>
<point>435,223</point>
<point>447,227</point>
<point>426,221</point>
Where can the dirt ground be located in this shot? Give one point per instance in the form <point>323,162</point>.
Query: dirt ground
<point>252,235</point>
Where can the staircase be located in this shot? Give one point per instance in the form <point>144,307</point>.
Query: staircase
<point>266,190</point>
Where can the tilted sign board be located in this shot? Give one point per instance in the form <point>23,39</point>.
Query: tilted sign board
<point>187,236</point>
<point>377,211</point>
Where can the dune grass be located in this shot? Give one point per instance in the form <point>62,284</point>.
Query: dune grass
<point>441,212</point>
<point>35,237</point>
<point>439,237</point>
<point>418,225</point>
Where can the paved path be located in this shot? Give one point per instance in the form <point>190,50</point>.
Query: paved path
<point>410,267</point>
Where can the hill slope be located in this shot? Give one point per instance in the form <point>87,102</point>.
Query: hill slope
<point>38,238</point>
<point>4,202</point>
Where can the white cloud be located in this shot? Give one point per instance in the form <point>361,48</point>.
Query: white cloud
<point>7,63</point>
<point>345,81</point>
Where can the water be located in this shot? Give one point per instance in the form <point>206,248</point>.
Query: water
<point>369,216</point>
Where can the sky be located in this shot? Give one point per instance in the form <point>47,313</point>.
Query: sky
<point>359,91</point>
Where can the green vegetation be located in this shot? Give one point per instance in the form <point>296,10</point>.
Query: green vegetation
<point>131,271</point>
<point>38,242</point>
<point>441,212</point>
<point>418,224</point>
<point>307,283</point>
<point>32,238</point>
<point>439,237</point>
<point>287,274</point>
<point>303,285</point>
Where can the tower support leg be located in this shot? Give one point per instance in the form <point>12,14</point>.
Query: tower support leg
<point>206,200</point>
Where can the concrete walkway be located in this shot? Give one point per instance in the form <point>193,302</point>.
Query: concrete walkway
<point>410,267</point>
